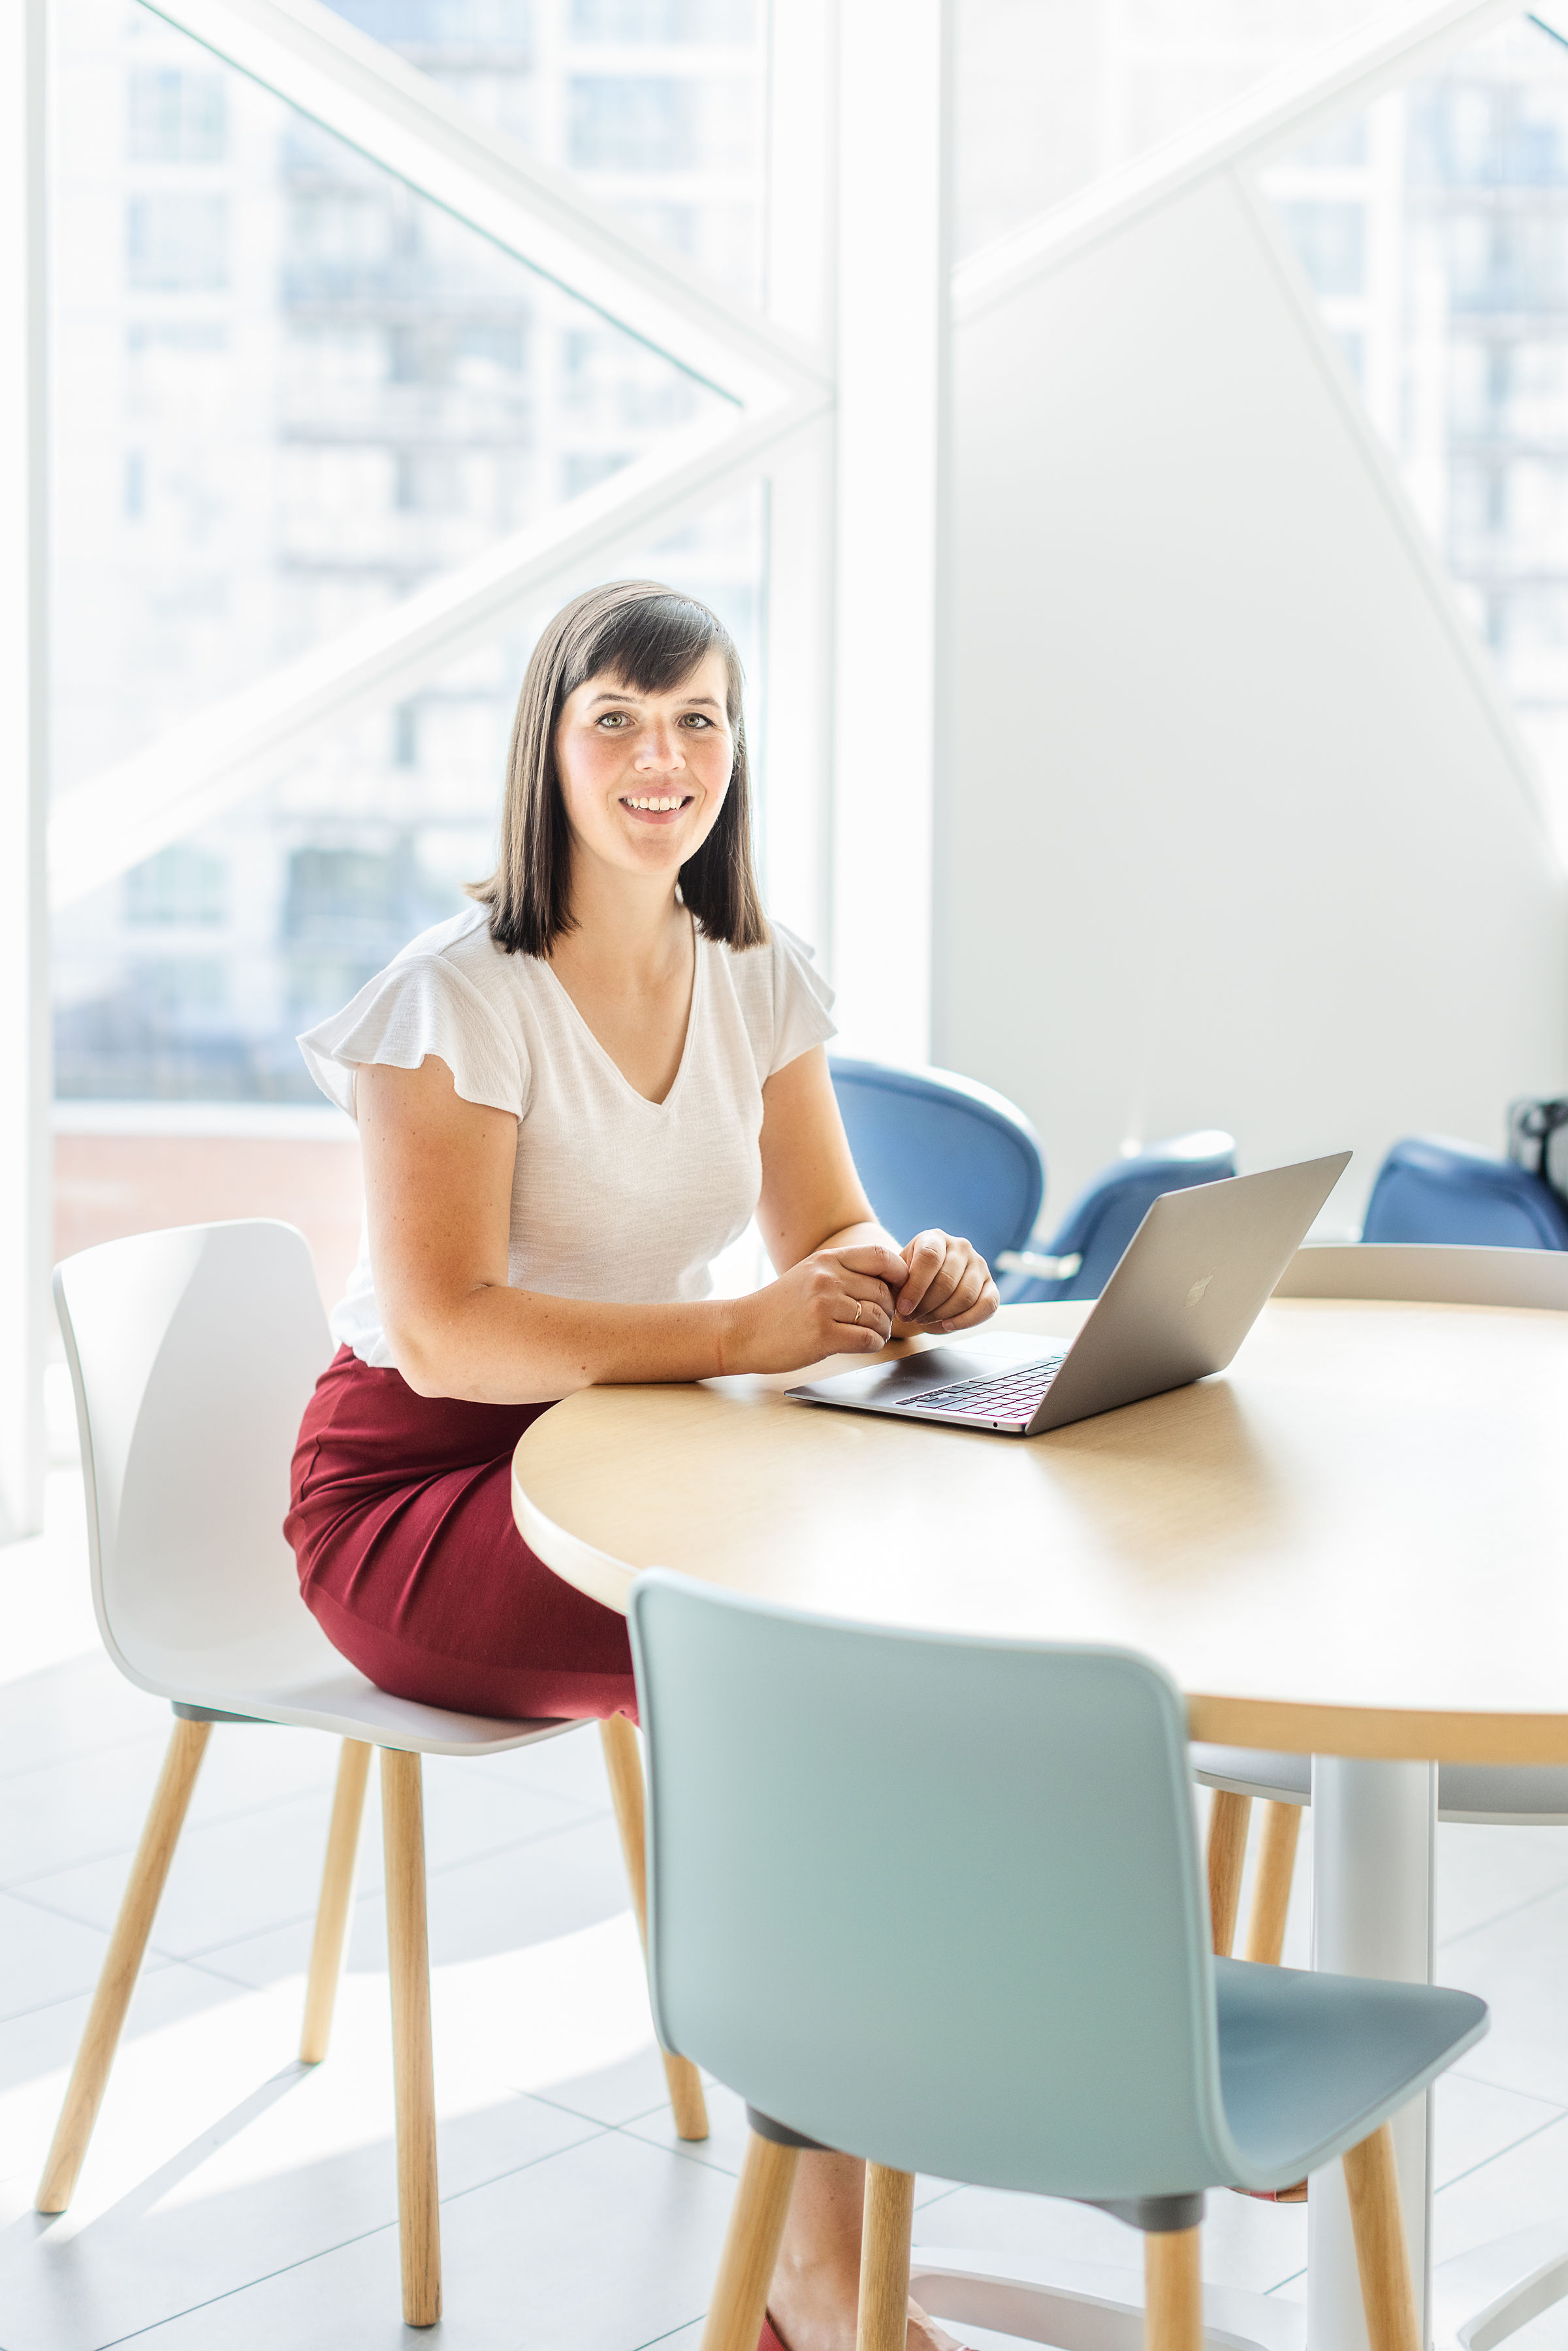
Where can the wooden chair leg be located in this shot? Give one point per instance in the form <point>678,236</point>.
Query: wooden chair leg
<point>1271,1889</point>
<point>123,1962</point>
<point>1227,1819</point>
<point>625,1765</point>
<point>413,2069</point>
<point>337,1894</point>
<point>1382,2254</point>
<point>884,2321</point>
<point>1173,2288</point>
<point>751,2246</point>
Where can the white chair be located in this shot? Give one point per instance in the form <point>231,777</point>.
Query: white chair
<point>192,1353</point>
<point>1511,1795</point>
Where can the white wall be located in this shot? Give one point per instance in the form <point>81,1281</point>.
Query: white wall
<point>1234,828</point>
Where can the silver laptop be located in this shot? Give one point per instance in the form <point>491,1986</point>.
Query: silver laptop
<point>1185,1291</point>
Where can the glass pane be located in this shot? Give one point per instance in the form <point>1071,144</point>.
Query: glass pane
<point>1435,230</point>
<point>188,980</point>
<point>1054,93</point>
<point>288,390</point>
<point>656,105</point>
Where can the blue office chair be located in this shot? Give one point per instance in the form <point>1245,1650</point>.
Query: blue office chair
<point>1062,2028</point>
<point>1429,1189</point>
<point>932,1148</point>
<point>1083,1254</point>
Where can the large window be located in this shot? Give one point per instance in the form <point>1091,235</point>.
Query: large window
<point>292,392</point>
<point>1435,230</point>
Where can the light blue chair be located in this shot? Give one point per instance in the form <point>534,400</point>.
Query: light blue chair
<point>1431,1190</point>
<point>1086,1248</point>
<point>932,1148</point>
<point>985,1954</point>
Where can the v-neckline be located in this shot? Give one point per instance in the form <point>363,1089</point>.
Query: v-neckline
<point>610,1063</point>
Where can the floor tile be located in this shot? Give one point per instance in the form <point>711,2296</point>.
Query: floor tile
<point>239,1874</point>
<point>572,1766</point>
<point>1475,2120</point>
<point>1517,1964</point>
<point>605,2246</point>
<point>77,1809</point>
<point>45,1597</point>
<point>218,2160</point>
<point>553,1883</point>
<point>81,1707</point>
<point>1486,1873</point>
<point>1524,2187</point>
<point>724,2146</point>
<point>44,1957</point>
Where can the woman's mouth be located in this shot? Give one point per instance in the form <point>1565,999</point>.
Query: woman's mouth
<point>656,808</point>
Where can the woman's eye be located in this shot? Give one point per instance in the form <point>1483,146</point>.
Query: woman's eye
<point>616,718</point>
<point>696,718</point>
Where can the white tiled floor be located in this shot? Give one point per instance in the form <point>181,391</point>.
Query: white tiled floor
<point>234,2198</point>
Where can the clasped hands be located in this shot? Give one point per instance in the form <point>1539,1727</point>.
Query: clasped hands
<point>853,1298</point>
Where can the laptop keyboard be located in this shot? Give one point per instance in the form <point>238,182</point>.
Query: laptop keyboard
<point>1012,1398</point>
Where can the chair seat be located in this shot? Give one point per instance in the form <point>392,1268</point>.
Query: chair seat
<point>1495,1793</point>
<point>350,1706</point>
<point>1309,2062</point>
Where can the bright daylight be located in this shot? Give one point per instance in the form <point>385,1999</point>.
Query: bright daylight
<point>784,1217</point>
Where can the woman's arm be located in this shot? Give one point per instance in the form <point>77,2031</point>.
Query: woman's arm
<point>438,1195</point>
<point>813,1200</point>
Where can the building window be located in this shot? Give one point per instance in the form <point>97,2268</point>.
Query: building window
<point>177,244</point>
<point>180,885</point>
<point>176,118</point>
<point>630,122</point>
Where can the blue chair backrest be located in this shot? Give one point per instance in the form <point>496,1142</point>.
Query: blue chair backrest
<point>934,1901</point>
<point>932,1148</point>
<point>1103,1217</point>
<point>1429,1189</point>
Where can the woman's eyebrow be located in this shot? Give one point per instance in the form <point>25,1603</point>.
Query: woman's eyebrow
<point>690,702</point>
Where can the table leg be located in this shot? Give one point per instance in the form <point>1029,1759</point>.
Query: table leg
<point>1373,1828</point>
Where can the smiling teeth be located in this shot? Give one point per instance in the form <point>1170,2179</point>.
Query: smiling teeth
<point>647,802</point>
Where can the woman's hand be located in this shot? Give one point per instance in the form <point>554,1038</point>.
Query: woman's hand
<point>949,1287</point>
<point>837,1301</point>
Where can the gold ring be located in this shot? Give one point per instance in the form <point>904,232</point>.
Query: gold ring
<point>857,1310</point>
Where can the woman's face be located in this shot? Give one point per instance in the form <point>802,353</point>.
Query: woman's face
<point>643,776</point>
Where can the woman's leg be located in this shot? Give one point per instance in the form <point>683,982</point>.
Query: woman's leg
<point>816,2285</point>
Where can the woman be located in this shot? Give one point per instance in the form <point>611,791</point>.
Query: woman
<point>569,1100</point>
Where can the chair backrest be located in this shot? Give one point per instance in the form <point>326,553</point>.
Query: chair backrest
<point>1429,1189</point>
<point>934,1901</point>
<point>1430,1276</point>
<point>1105,1215</point>
<point>192,1353</point>
<point>932,1148</point>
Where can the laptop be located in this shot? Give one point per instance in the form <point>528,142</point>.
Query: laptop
<point>1186,1290</point>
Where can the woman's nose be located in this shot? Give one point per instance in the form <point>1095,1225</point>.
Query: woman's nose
<point>662,750</point>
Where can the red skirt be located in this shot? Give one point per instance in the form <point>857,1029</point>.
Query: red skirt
<point>401,1520</point>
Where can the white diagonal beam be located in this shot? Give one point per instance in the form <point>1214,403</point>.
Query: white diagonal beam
<point>1390,48</point>
<point>189,774</point>
<point>368,96</point>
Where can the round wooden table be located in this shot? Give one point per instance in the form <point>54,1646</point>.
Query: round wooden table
<point>1351,1545</point>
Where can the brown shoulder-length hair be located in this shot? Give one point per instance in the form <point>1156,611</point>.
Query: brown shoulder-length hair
<point>650,638</point>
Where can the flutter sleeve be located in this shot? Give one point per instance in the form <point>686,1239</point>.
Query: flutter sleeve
<point>418,1006</point>
<point>802,1001</point>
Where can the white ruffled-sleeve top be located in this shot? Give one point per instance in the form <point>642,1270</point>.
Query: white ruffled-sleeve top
<point>613,1196</point>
